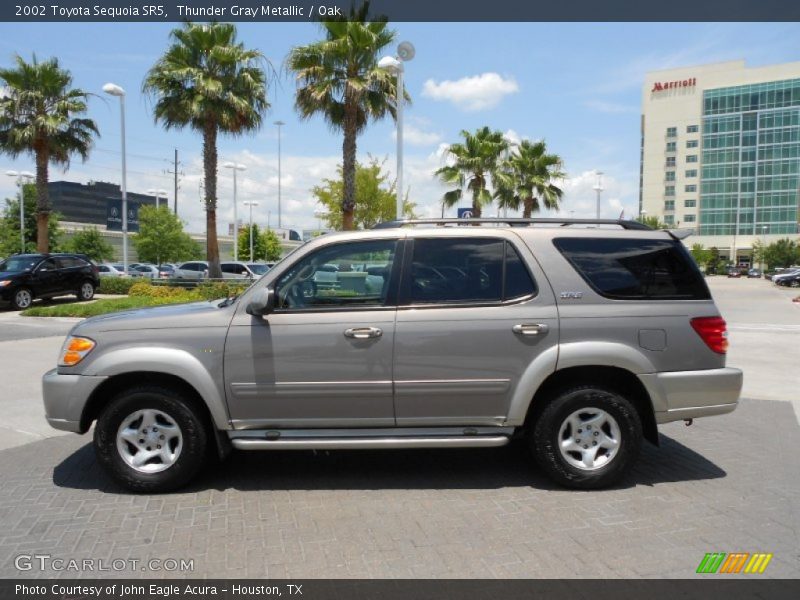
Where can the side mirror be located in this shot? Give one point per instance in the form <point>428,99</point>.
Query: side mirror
<point>262,304</point>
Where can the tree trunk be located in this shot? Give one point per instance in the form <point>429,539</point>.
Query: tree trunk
<point>210,173</point>
<point>527,208</point>
<point>42,202</point>
<point>349,162</point>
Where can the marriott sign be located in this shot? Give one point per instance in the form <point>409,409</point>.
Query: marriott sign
<point>660,86</point>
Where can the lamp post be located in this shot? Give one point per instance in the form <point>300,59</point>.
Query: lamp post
<point>158,194</point>
<point>235,167</point>
<point>394,65</point>
<point>21,177</point>
<point>764,230</point>
<point>251,204</point>
<point>279,124</point>
<point>115,90</point>
<point>598,187</point>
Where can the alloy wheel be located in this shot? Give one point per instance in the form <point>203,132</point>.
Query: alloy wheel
<point>149,441</point>
<point>589,439</point>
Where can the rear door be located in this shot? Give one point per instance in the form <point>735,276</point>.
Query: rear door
<point>47,278</point>
<point>473,313</point>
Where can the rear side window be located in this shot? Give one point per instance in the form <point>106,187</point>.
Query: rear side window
<point>635,269</point>
<point>466,270</point>
<point>70,262</point>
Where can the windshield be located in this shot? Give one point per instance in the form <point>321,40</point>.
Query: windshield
<point>258,269</point>
<point>19,263</point>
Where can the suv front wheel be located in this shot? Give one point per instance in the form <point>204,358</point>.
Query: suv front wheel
<point>150,439</point>
<point>587,437</point>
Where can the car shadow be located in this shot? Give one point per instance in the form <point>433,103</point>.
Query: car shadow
<point>468,468</point>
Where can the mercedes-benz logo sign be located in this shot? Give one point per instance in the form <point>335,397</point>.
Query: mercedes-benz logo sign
<point>115,212</point>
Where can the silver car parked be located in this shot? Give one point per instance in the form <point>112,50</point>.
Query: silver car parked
<point>578,336</point>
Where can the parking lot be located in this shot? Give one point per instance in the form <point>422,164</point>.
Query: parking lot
<point>725,484</point>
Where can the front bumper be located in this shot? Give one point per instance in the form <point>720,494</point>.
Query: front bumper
<point>65,397</point>
<point>680,395</point>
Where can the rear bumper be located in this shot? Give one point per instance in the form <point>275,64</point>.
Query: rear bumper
<point>65,397</point>
<point>680,395</point>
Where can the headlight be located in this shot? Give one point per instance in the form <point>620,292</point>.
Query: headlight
<point>75,350</point>
<point>5,282</point>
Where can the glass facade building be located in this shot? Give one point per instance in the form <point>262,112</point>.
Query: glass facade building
<point>750,174</point>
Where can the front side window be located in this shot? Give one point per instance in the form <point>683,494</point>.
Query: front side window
<point>458,271</point>
<point>349,275</point>
<point>635,269</point>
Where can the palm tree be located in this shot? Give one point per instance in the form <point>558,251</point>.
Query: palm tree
<point>473,162</point>
<point>209,81</point>
<point>526,178</point>
<point>40,115</point>
<point>339,78</point>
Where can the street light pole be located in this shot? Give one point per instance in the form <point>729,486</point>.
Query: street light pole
<point>115,90</point>
<point>21,175</point>
<point>598,187</point>
<point>279,124</point>
<point>235,167</point>
<point>251,204</point>
<point>394,64</point>
<point>158,194</point>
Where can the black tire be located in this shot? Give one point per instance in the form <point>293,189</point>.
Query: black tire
<point>22,299</point>
<point>85,291</point>
<point>544,437</point>
<point>170,402</point>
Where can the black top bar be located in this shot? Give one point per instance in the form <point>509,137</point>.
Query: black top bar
<point>514,222</point>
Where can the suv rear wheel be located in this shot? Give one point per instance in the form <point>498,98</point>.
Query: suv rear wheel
<point>150,439</point>
<point>86,291</point>
<point>587,437</point>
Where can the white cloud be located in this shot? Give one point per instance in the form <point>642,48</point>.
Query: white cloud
<point>478,92</point>
<point>416,136</point>
<point>513,137</point>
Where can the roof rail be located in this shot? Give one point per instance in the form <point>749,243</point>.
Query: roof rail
<point>514,222</point>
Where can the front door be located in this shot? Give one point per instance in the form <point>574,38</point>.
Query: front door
<point>471,318</point>
<point>323,358</point>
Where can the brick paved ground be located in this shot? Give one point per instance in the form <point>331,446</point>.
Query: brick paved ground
<point>725,484</point>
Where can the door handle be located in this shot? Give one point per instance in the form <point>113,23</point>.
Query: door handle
<point>363,333</point>
<point>530,328</point>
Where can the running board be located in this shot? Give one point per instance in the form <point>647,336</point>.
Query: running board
<point>467,441</point>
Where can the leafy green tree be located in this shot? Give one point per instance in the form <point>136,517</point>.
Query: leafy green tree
<point>90,242</point>
<point>161,237</point>
<point>782,253</point>
<point>40,115</point>
<point>527,178</point>
<point>375,199</point>
<point>717,263</point>
<point>653,222</point>
<point>473,162</point>
<point>259,244</point>
<point>208,81</point>
<point>702,255</point>
<point>339,78</point>
<point>9,225</point>
<point>272,245</point>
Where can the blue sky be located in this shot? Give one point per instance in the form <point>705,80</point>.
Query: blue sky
<point>578,86</point>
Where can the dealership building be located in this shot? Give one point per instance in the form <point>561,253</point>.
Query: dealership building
<point>99,204</point>
<point>720,153</point>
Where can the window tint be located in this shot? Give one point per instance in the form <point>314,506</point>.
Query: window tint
<point>48,265</point>
<point>231,268</point>
<point>631,269</point>
<point>466,270</point>
<point>518,280</point>
<point>69,262</point>
<point>354,274</point>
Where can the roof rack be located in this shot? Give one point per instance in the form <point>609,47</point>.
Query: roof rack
<point>514,222</point>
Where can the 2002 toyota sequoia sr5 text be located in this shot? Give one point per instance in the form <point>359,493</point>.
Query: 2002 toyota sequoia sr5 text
<point>580,336</point>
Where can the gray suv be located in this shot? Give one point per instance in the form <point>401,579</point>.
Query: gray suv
<point>578,336</point>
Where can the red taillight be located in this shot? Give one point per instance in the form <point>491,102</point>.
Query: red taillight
<point>714,332</point>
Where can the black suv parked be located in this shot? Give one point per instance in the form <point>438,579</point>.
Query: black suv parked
<point>24,277</point>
